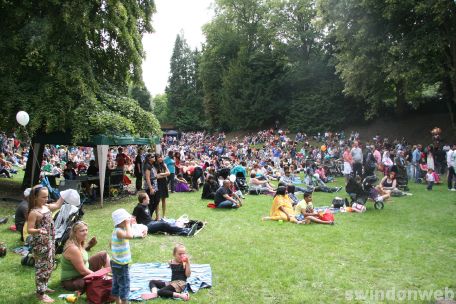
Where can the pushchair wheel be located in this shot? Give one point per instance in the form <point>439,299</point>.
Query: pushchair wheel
<point>379,205</point>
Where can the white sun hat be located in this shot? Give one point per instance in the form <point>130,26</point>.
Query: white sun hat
<point>120,215</point>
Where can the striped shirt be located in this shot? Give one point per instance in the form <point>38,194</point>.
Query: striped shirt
<point>120,249</point>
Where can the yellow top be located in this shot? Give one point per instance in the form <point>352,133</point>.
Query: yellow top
<point>281,201</point>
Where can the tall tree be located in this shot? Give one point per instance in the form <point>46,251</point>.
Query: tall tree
<point>142,96</point>
<point>70,65</point>
<point>160,108</point>
<point>240,68</point>
<point>393,52</point>
<point>185,99</point>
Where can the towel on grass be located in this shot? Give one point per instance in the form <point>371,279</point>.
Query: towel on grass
<point>323,209</point>
<point>142,273</point>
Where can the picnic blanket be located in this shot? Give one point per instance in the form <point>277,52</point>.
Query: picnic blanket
<point>323,208</point>
<point>142,273</point>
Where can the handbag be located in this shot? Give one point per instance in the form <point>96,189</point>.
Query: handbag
<point>358,208</point>
<point>338,202</point>
<point>327,216</point>
<point>99,286</point>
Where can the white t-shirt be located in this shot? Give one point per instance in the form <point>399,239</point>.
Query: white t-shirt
<point>430,177</point>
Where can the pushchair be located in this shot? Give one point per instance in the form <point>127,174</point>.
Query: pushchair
<point>222,172</point>
<point>70,213</point>
<point>241,183</point>
<point>360,192</point>
<point>402,178</point>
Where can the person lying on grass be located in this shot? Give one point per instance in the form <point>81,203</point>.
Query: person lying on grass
<point>282,209</point>
<point>304,211</point>
<point>142,215</point>
<point>180,271</point>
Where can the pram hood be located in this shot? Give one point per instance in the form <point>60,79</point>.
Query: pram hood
<point>63,219</point>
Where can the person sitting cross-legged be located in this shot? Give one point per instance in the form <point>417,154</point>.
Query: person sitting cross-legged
<point>142,214</point>
<point>225,198</point>
<point>75,261</point>
<point>282,209</point>
<point>304,211</point>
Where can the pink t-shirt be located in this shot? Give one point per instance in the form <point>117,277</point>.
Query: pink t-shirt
<point>377,156</point>
<point>347,157</point>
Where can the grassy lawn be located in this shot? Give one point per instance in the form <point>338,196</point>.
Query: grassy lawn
<point>410,245</point>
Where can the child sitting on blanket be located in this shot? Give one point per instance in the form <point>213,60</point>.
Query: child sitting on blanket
<point>180,271</point>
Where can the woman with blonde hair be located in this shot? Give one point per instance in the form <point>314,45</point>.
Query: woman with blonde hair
<point>76,263</point>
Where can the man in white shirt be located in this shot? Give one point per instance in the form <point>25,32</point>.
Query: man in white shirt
<point>451,161</point>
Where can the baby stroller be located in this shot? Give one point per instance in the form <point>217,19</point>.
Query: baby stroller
<point>222,172</point>
<point>402,178</point>
<point>70,212</point>
<point>241,183</point>
<point>360,192</point>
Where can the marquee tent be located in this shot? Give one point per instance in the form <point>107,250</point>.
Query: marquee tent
<point>101,144</point>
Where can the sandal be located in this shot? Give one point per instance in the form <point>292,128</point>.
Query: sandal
<point>45,298</point>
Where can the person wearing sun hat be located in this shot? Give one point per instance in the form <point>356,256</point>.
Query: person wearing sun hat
<point>21,213</point>
<point>121,255</point>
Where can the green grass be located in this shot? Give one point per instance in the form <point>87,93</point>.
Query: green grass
<point>411,244</point>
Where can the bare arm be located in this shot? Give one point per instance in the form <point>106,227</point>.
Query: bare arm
<point>148,181</point>
<point>187,267</point>
<point>56,205</point>
<point>229,198</point>
<point>283,210</point>
<point>127,233</point>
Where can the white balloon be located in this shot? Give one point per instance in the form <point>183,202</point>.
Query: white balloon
<point>22,118</point>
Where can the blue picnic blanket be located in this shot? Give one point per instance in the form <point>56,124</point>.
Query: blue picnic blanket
<point>323,208</point>
<point>142,273</point>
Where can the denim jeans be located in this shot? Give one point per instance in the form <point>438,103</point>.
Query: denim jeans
<point>226,204</point>
<point>162,226</point>
<point>120,281</point>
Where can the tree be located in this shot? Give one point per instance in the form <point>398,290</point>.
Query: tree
<point>240,68</point>
<point>184,93</point>
<point>161,108</point>
<point>142,96</point>
<point>393,52</point>
<point>69,65</point>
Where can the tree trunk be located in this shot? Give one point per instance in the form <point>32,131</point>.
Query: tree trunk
<point>27,181</point>
<point>400,97</point>
<point>449,87</point>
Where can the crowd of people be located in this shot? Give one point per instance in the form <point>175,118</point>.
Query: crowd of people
<point>226,169</point>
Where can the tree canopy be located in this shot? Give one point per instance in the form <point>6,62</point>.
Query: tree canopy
<point>70,65</point>
<point>318,64</point>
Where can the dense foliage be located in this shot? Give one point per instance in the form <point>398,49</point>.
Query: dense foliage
<point>71,64</point>
<point>315,64</point>
<point>184,91</point>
